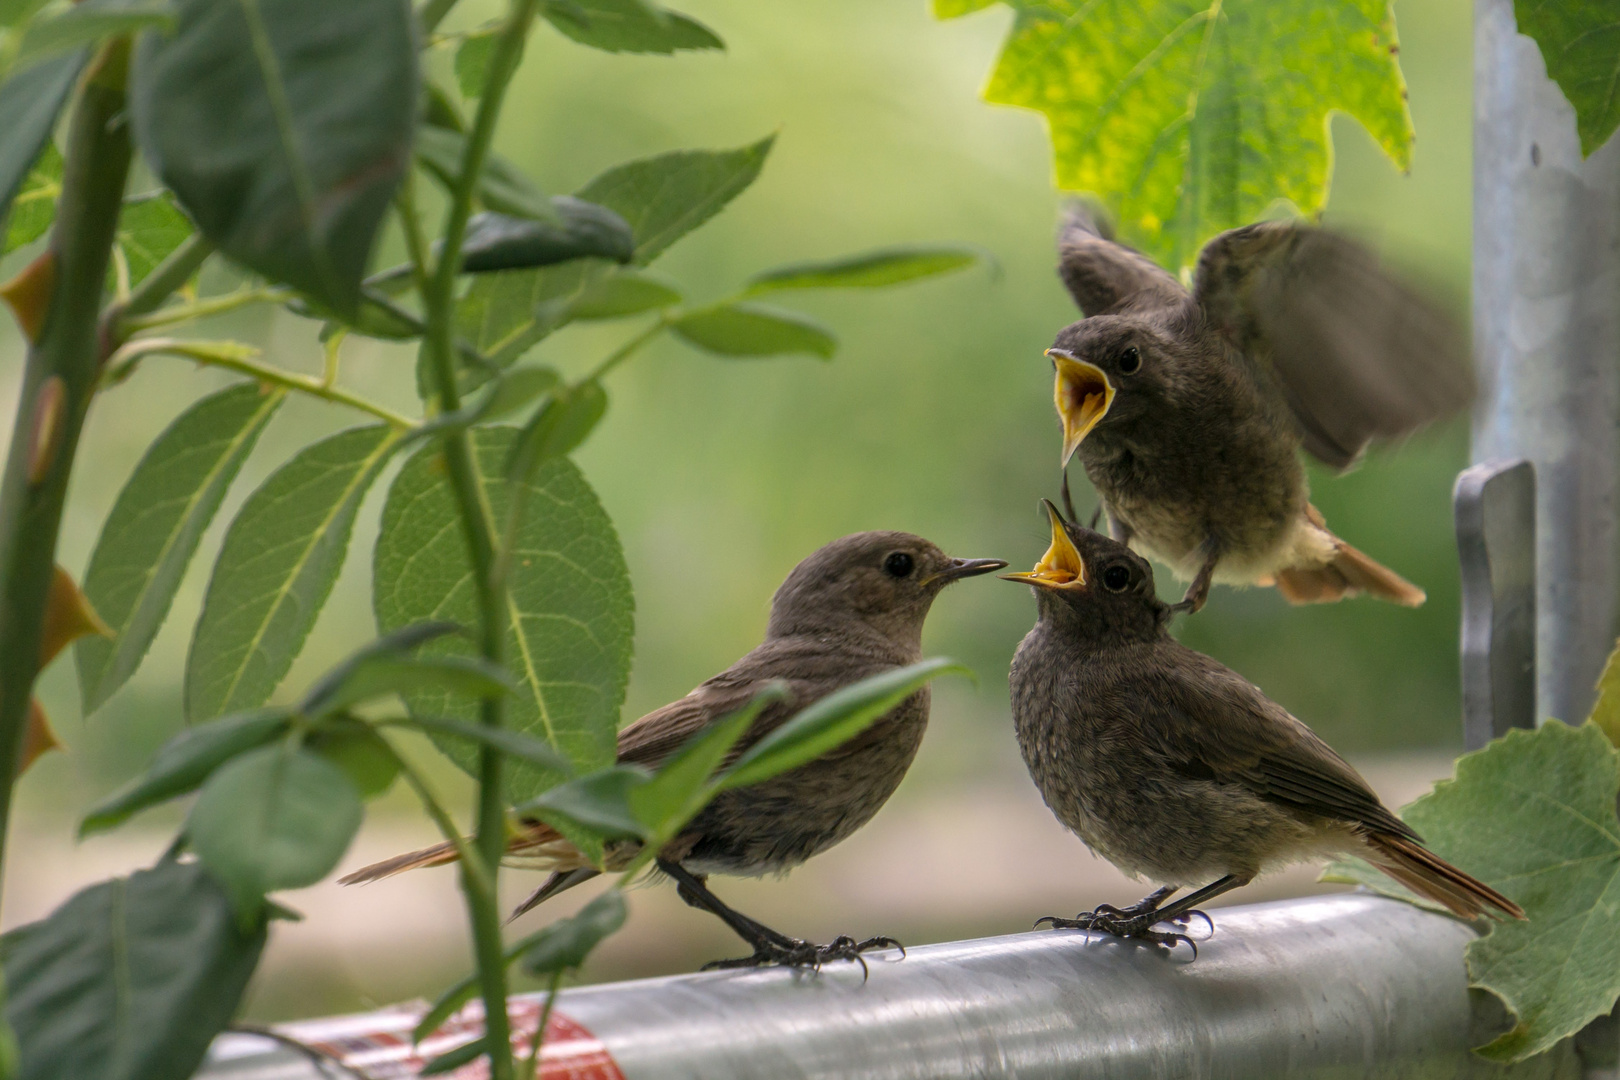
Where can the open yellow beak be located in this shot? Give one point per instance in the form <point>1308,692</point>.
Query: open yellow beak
<point>1061,567</point>
<point>1083,395</point>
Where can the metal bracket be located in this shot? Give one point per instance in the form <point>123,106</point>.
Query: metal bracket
<point>1495,504</point>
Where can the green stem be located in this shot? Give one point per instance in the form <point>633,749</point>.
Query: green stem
<point>210,355</point>
<point>432,13</point>
<point>60,379</point>
<point>202,309</point>
<point>630,348</point>
<point>532,1062</point>
<point>166,277</point>
<point>477,525</point>
<point>470,858</point>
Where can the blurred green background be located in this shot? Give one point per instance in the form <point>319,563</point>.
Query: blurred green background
<point>935,417</point>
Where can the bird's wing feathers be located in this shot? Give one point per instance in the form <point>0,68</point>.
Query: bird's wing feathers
<point>1358,355</point>
<point>1102,275</point>
<point>1225,729</point>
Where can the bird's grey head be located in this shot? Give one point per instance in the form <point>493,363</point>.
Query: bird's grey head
<point>1095,587</point>
<point>1112,371</point>
<point>882,582</point>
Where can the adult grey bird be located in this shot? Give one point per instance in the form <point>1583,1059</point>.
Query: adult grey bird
<point>853,609</point>
<point>1172,766</point>
<point>1188,409</point>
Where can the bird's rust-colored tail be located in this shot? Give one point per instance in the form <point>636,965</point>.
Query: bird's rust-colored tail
<point>1348,573</point>
<point>538,846</point>
<point>1428,875</point>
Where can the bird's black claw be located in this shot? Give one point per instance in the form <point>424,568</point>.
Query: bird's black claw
<point>1129,923</point>
<point>807,954</point>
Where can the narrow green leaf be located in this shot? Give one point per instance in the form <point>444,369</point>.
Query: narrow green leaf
<point>1580,42</point>
<point>512,743</point>
<point>1606,713</point>
<point>149,229</point>
<point>276,569</point>
<point>505,314</point>
<point>680,787</point>
<point>599,802</point>
<point>833,720</point>
<point>131,979</point>
<point>17,12</point>
<point>560,425</point>
<point>570,601</point>
<point>580,230</point>
<point>469,677</point>
<point>517,389</point>
<point>89,23</point>
<point>743,328</point>
<point>30,101</point>
<point>1189,117</point>
<point>869,270</point>
<point>465,1054</point>
<point>34,207</point>
<point>625,292</point>
<point>665,197</point>
<point>284,127</point>
<point>184,762</point>
<point>156,525</point>
<point>365,673</point>
<point>502,186</point>
<point>279,817</point>
<point>361,753</point>
<point>628,26</point>
<point>565,944</point>
<point>447,1003</point>
<point>1533,816</point>
<point>472,63</point>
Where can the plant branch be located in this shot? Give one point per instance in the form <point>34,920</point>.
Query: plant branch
<point>630,348</point>
<point>58,383</point>
<point>532,1062</point>
<point>240,359</point>
<point>202,309</point>
<point>470,858</point>
<point>165,278</point>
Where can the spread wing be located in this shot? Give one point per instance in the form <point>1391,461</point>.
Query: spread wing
<point>1103,275</point>
<point>815,673</point>
<point>1224,729</point>
<point>1358,355</point>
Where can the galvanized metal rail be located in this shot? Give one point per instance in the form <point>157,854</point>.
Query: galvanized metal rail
<point>1336,986</point>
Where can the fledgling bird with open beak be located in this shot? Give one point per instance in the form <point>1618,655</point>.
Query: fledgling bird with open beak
<point>1188,410</point>
<point>1175,768</point>
<point>853,609</point>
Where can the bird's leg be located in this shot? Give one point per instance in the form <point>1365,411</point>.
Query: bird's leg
<point>770,947</point>
<point>1085,920</point>
<point>1198,591</point>
<point>1068,501</point>
<point>1139,924</point>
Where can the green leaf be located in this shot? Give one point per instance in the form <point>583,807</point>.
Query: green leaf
<point>665,197</point>
<point>1533,816</point>
<point>626,292</point>
<point>279,817</point>
<point>284,127</point>
<point>517,389</point>
<point>276,569</point>
<point>1189,117</point>
<point>464,1054</point>
<point>376,317</point>
<point>34,208</point>
<point>156,525</point>
<point>17,12</point>
<point>501,185</point>
<point>505,314</point>
<point>149,229</point>
<point>598,802</point>
<point>89,23</point>
<point>581,230</point>
<point>361,753</point>
<point>560,425</point>
<point>564,945</point>
<point>1580,42</point>
<point>681,786</point>
<point>453,998</point>
<point>869,270</point>
<point>570,601</point>
<point>628,26</point>
<point>30,101</point>
<point>185,761</point>
<point>743,328</point>
<point>131,979</point>
<point>1606,713</point>
<point>833,720</point>
<point>512,743</point>
<point>386,666</point>
<point>472,63</point>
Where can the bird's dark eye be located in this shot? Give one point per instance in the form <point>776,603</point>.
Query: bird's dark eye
<point>1116,578</point>
<point>898,564</point>
<point>1130,361</point>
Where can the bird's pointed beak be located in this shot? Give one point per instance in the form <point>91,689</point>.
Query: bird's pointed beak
<point>1083,395</point>
<point>1061,567</point>
<point>965,568</point>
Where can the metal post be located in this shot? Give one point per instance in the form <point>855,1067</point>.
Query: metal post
<point>1495,505</point>
<point>1330,986</point>
<point>1547,333</point>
